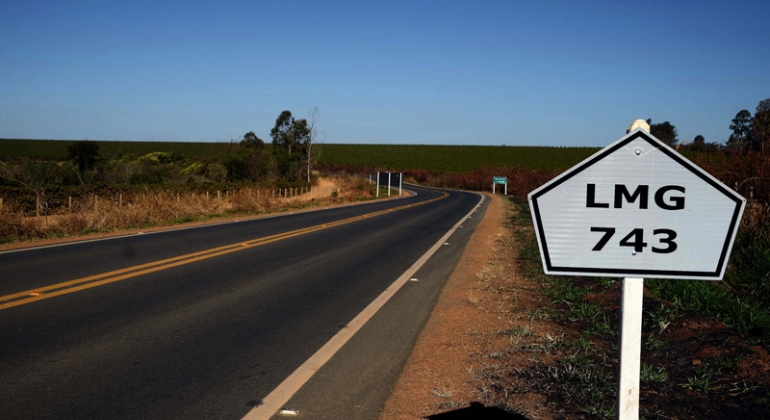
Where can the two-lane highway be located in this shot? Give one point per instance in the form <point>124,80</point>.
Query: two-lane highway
<point>205,322</point>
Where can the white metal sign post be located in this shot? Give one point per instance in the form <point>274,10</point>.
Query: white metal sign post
<point>635,209</point>
<point>390,175</point>
<point>630,347</point>
<point>500,180</point>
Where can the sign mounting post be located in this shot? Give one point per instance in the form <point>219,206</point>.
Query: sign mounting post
<point>635,209</point>
<point>500,180</point>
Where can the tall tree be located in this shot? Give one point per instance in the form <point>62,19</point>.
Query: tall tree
<point>300,133</point>
<point>665,132</point>
<point>288,135</point>
<point>761,125</point>
<point>282,135</point>
<point>742,132</point>
<point>312,153</point>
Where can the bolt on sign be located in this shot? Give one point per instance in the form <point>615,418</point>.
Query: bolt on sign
<point>636,208</point>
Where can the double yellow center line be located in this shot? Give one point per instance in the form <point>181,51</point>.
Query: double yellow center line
<point>72,286</point>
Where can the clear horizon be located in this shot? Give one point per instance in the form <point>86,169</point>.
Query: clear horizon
<point>428,72</point>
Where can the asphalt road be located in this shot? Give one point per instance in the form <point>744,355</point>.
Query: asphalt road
<point>211,333</point>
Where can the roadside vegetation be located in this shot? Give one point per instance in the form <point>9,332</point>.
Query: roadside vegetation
<point>704,348</point>
<point>44,194</point>
<point>113,209</point>
<point>705,344</point>
<point>438,159</point>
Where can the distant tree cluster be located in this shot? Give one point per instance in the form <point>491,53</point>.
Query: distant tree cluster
<point>289,159</point>
<point>749,133</point>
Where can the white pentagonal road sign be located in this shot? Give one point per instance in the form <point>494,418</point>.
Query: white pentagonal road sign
<point>636,208</point>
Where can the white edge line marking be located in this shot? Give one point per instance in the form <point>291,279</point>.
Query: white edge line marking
<point>283,393</point>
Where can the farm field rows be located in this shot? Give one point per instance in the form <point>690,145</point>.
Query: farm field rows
<point>57,149</point>
<point>432,158</point>
<point>440,159</point>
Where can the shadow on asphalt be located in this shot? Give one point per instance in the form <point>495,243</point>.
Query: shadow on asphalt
<point>477,411</point>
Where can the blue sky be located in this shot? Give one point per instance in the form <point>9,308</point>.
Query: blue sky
<point>551,73</point>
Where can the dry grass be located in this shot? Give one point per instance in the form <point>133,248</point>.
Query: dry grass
<point>104,214</point>
<point>475,297</point>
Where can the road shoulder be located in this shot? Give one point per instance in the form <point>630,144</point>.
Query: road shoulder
<point>467,328</point>
<point>356,380</point>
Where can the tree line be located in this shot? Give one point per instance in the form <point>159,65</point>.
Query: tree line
<point>750,133</point>
<point>288,159</point>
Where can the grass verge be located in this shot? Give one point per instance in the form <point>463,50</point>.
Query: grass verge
<point>693,364</point>
<point>166,208</point>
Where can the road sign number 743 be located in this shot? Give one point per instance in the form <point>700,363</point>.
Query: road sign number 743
<point>635,239</point>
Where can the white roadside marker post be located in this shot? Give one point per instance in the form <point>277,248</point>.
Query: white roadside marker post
<point>630,348</point>
<point>378,184</point>
<point>636,193</point>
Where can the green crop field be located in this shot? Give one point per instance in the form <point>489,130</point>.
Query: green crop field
<point>433,158</point>
<point>57,149</point>
<point>440,159</point>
